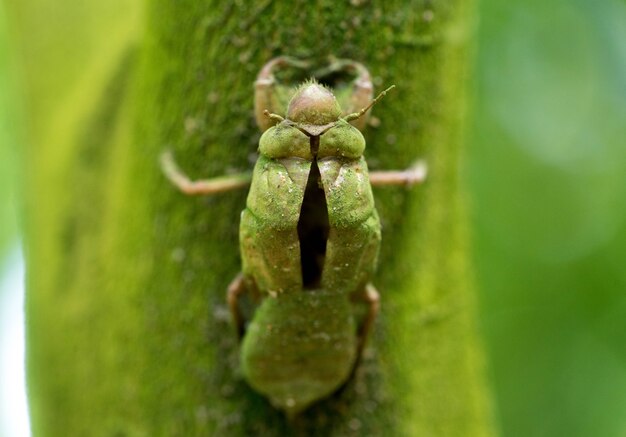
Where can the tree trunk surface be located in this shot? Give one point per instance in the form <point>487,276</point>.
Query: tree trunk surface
<point>128,329</point>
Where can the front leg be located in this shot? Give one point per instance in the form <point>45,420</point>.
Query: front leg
<point>202,187</point>
<point>415,174</point>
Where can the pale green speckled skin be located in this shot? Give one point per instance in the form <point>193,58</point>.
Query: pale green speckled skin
<point>302,343</point>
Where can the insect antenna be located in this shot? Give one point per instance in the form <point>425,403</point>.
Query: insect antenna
<point>356,115</point>
<point>274,117</point>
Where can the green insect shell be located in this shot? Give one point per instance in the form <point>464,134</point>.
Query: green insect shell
<point>309,239</point>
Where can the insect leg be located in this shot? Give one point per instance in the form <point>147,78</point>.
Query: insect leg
<point>235,289</point>
<point>269,93</point>
<point>207,186</point>
<point>371,297</point>
<point>362,89</point>
<point>415,174</point>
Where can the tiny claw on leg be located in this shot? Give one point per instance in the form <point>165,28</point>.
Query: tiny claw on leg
<point>415,174</point>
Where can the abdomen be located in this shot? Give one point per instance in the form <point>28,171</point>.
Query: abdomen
<point>300,347</point>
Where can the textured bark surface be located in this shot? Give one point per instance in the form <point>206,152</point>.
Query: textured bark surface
<point>128,331</point>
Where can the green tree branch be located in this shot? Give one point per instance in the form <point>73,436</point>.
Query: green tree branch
<point>128,330</point>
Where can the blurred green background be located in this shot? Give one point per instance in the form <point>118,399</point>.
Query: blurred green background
<point>546,169</point>
<point>8,147</point>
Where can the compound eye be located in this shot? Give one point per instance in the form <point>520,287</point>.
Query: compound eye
<point>284,141</point>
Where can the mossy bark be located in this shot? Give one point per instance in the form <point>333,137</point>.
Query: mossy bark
<point>128,331</point>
